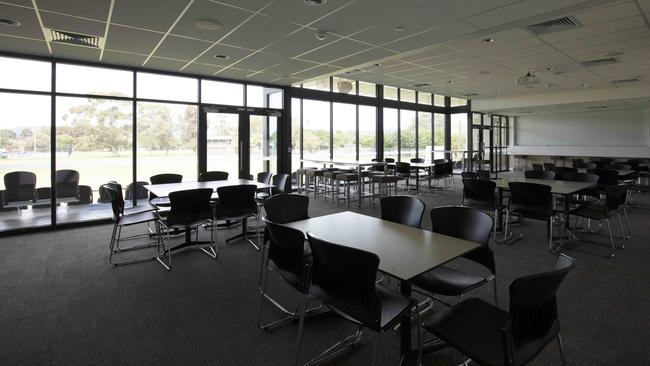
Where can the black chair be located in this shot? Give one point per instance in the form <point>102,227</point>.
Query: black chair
<point>43,198</point>
<point>288,256</point>
<point>540,174</point>
<point>417,160</point>
<point>344,279</point>
<point>480,194</point>
<point>613,204</point>
<point>469,224</point>
<point>67,185</point>
<point>549,166</point>
<point>469,175</point>
<point>404,170</point>
<point>213,176</point>
<point>606,177</point>
<point>237,203</point>
<point>538,167</point>
<point>405,210</point>
<point>286,207</point>
<point>20,189</point>
<point>584,194</point>
<point>622,166</point>
<point>281,184</point>
<point>139,192</point>
<point>490,336</point>
<point>163,179</point>
<point>483,174</point>
<point>85,196</point>
<point>123,218</point>
<point>530,200</point>
<point>190,209</point>
<point>561,171</point>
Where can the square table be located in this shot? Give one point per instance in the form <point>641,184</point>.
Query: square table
<point>404,252</point>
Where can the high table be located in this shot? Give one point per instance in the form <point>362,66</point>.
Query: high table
<point>404,252</point>
<point>163,190</point>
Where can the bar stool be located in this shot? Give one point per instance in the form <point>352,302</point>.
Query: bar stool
<point>301,175</point>
<point>331,188</point>
<point>384,184</point>
<point>348,179</point>
<point>314,174</point>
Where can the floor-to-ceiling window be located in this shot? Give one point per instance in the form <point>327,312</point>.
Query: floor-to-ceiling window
<point>425,136</point>
<point>367,133</point>
<point>438,136</point>
<point>316,129</point>
<point>391,146</point>
<point>458,135</point>
<point>407,133</point>
<point>344,133</point>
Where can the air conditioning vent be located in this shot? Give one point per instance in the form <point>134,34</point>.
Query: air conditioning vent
<point>75,39</point>
<point>599,107</point>
<point>555,25</point>
<point>470,94</point>
<point>625,81</point>
<point>421,85</point>
<point>601,62</point>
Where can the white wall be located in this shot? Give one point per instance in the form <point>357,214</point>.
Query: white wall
<point>615,133</point>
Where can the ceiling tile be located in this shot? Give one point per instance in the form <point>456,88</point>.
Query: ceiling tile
<point>250,5</point>
<point>233,53</point>
<point>181,48</point>
<point>259,61</point>
<point>75,52</point>
<point>608,13</point>
<point>596,29</point>
<point>138,13</point>
<point>299,12</point>
<point>234,73</point>
<point>316,71</point>
<point>645,5</point>
<point>96,9</point>
<point>259,32</point>
<point>335,50</point>
<point>431,37</point>
<point>286,67</point>
<point>71,24</point>
<point>298,43</point>
<point>29,27</point>
<point>465,8</point>
<point>228,16</point>
<point>263,77</point>
<point>131,40</point>
<point>165,64</point>
<point>369,56</point>
<point>518,11</point>
<point>123,58</point>
<point>20,2</point>
<point>202,69</point>
<point>23,45</point>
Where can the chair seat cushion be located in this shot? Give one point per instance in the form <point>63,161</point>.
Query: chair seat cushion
<point>138,218</point>
<point>473,327</point>
<point>160,201</point>
<point>447,281</point>
<point>393,304</point>
<point>141,207</point>
<point>591,210</point>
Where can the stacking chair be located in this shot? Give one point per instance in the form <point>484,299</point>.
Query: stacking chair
<point>606,177</point>
<point>483,174</point>
<point>20,189</point>
<point>540,174</point>
<point>163,179</point>
<point>417,160</point>
<point>549,166</point>
<point>343,278</point>
<point>123,218</point>
<point>264,177</point>
<point>213,176</point>
<point>480,194</point>
<point>538,167</point>
<point>587,193</point>
<point>469,175</point>
<point>469,224</point>
<point>530,200</point>
<point>67,185</point>
<point>404,170</point>
<point>405,210</point>
<point>85,196</point>
<point>138,192</point>
<point>237,203</point>
<point>613,204</point>
<point>490,336</point>
<point>190,209</point>
<point>561,171</point>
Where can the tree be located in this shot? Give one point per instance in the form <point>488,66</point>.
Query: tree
<point>189,125</point>
<point>155,127</point>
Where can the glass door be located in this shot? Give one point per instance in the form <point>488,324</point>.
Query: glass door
<point>263,152</point>
<point>223,143</point>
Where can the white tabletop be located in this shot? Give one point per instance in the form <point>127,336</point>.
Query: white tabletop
<point>557,186</point>
<point>404,252</point>
<point>620,172</point>
<point>163,190</point>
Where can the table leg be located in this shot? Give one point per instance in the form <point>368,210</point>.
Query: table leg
<point>499,218</point>
<point>405,324</point>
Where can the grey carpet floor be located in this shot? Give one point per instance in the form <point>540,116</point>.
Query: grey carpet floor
<point>61,303</point>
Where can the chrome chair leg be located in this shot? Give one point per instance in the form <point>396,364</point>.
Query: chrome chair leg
<point>375,345</point>
<point>561,346</point>
<point>611,239</point>
<point>301,325</point>
<point>496,298</point>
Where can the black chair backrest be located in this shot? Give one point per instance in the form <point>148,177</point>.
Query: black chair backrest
<point>621,166</point>
<point>538,167</point>
<point>469,175</point>
<point>85,196</point>
<point>533,317</point>
<point>140,191</point>
<point>389,160</point>
<point>280,182</point>
<point>549,166</point>
<point>402,167</point>
<point>405,210</point>
<point>264,177</point>
<point>449,168</point>
<point>190,207</point>
<point>479,192</point>
<point>437,161</point>
<point>560,171</point>
<point>607,177</point>
<point>540,174</point>
<point>468,224</point>
<point>286,251</point>
<point>114,192</point>
<point>483,174</point>
<point>164,179</point>
<point>616,196</point>
<point>344,278</point>
<point>67,183</point>
<point>417,160</point>
<point>104,196</point>
<point>213,176</point>
<point>580,177</point>
<point>19,186</point>
<point>531,197</point>
<point>239,199</point>
<point>287,207</point>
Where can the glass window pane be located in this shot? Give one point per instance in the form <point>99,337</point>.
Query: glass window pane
<point>367,89</point>
<point>458,135</point>
<point>407,135</point>
<point>167,140</point>
<point>476,118</point>
<point>165,87</point>
<point>390,92</point>
<point>424,98</point>
<point>390,133</point>
<point>320,84</point>
<point>316,130</point>
<point>457,102</point>
<point>439,100</point>
<point>438,135</point>
<point>407,95</point>
<point>94,137</point>
<point>345,131</point>
<point>367,133</point>
<point>93,80</point>
<point>261,97</point>
<point>16,73</point>
<point>25,146</point>
<point>263,144</point>
<point>295,134</point>
<point>223,143</point>
<point>424,135</point>
<point>218,92</point>
<point>346,86</point>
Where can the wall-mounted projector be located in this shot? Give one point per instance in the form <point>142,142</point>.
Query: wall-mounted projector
<point>528,79</point>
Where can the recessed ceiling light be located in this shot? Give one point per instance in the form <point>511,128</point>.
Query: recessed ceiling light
<point>497,92</point>
<point>585,85</point>
<point>547,85</point>
<point>450,81</point>
<point>315,2</point>
<point>398,28</point>
<point>483,72</point>
<point>377,65</point>
<point>222,57</point>
<point>9,22</point>
<point>207,24</point>
<point>488,40</point>
<point>321,35</point>
<point>550,68</point>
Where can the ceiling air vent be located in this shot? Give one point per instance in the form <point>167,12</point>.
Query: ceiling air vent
<point>600,62</point>
<point>76,39</point>
<point>555,25</point>
<point>470,94</point>
<point>599,107</point>
<point>625,81</point>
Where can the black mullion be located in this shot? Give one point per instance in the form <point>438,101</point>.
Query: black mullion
<point>134,139</point>
<point>357,131</point>
<point>399,132</point>
<point>198,128</point>
<point>417,131</point>
<point>331,129</point>
<point>53,145</point>
<point>301,131</point>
